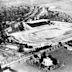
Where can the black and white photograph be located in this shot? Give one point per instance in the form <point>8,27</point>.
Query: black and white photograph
<point>35,35</point>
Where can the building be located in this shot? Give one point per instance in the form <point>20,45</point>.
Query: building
<point>38,22</point>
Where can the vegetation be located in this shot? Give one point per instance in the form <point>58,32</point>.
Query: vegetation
<point>57,16</point>
<point>13,13</point>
